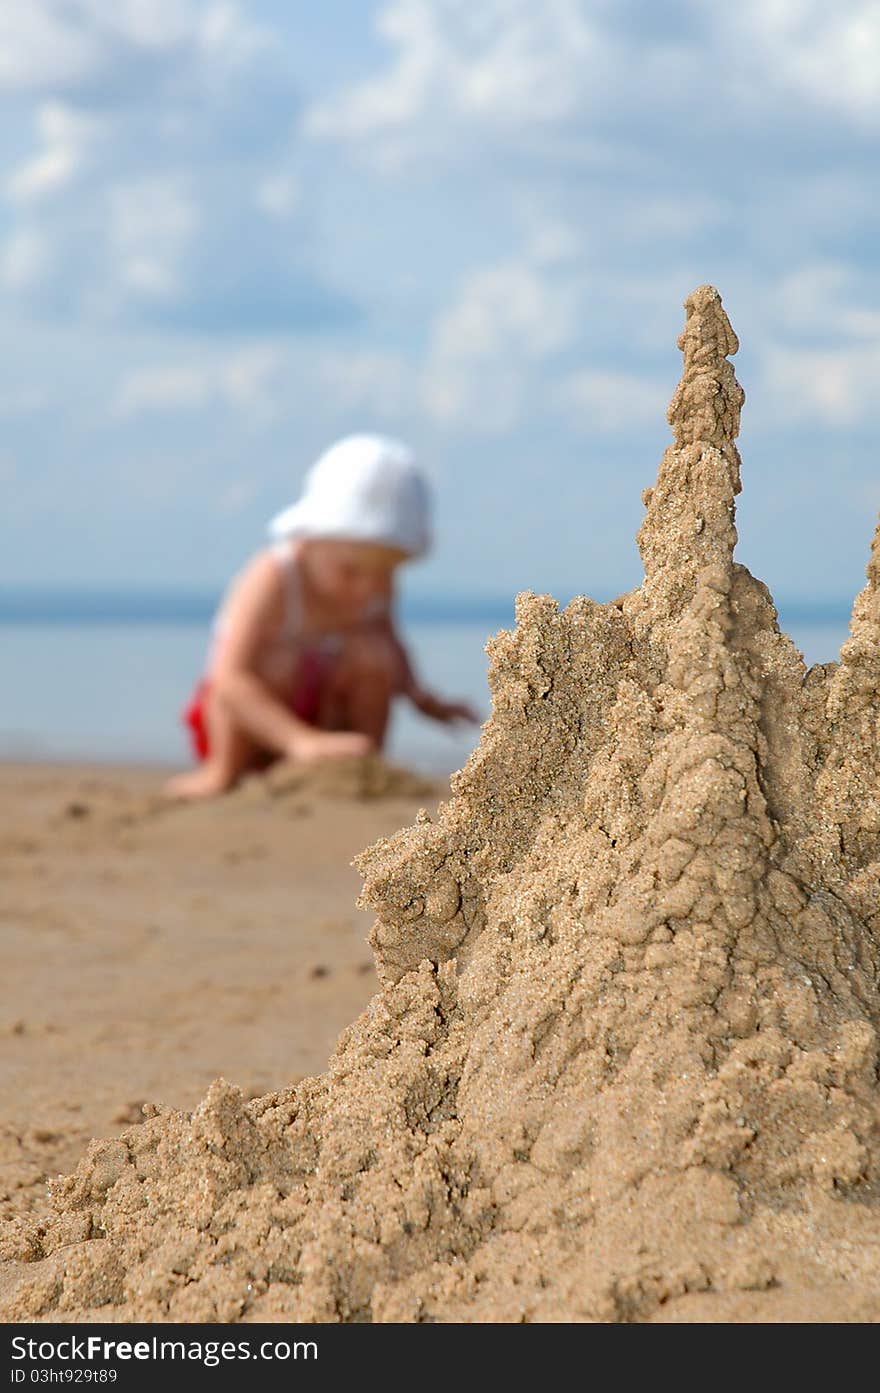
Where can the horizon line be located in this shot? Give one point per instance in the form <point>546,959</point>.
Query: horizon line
<point>57,604</point>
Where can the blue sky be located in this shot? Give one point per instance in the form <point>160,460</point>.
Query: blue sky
<point>230,233</point>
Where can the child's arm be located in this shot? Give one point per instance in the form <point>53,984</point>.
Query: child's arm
<point>252,611</point>
<point>436,708</point>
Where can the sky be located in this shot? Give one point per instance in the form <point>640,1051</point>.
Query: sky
<point>230,233</point>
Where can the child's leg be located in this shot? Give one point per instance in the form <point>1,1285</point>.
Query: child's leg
<point>360,688</point>
<point>231,753</point>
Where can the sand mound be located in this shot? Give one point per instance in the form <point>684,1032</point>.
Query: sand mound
<point>106,806</point>
<point>365,778</point>
<point>624,1064</point>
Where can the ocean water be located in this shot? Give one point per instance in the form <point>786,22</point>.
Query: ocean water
<point>112,691</point>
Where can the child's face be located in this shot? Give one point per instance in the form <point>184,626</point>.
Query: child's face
<point>351,574</point>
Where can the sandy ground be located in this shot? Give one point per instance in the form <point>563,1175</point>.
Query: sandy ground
<point>148,949</point>
<point>624,1065</point>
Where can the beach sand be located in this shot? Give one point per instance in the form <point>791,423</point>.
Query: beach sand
<point>623,1061</point>
<point>149,949</point>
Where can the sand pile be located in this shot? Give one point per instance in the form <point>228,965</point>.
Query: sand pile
<point>624,1064</point>
<point>363,778</point>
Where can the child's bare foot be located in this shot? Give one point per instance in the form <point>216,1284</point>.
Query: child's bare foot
<point>311,746</point>
<point>204,782</point>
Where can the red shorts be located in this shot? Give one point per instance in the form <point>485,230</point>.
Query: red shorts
<point>305,703</point>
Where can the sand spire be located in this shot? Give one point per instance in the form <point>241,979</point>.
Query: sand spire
<point>623,1065</point>
<point>689,523</point>
<point>845,718</point>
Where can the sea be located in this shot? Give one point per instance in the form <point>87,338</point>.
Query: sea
<point>99,677</point>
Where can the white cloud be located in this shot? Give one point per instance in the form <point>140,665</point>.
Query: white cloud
<point>502,65</point>
<point>552,241</point>
<point>819,355</point>
<point>829,299</point>
<point>266,383</point>
<point>176,389</point>
<point>485,348</point>
<point>651,218</point>
<point>564,173</point>
<point>597,401</point>
<point>68,137</point>
<point>41,46</point>
<point>834,387</point>
<point>547,79</point>
<point>248,379</point>
<point>279,195</point>
<point>862,322</point>
<point>808,297</point>
<point>242,382</point>
<point>45,45</point>
<point>378,384</point>
<point>24,259</point>
<point>827,54</point>
<point>507,308</point>
<point>149,115</point>
<point>151,225</point>
<point>235,497</point>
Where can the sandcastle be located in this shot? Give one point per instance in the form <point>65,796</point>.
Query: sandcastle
<point>623,1064</point>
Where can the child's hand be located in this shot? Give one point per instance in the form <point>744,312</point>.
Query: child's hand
<point>311,745</point>
<point>446,712</point>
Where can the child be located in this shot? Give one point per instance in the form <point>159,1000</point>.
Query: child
<point>306,661</point>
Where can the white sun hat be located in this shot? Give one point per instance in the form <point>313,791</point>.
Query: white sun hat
<point>365,488</point>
